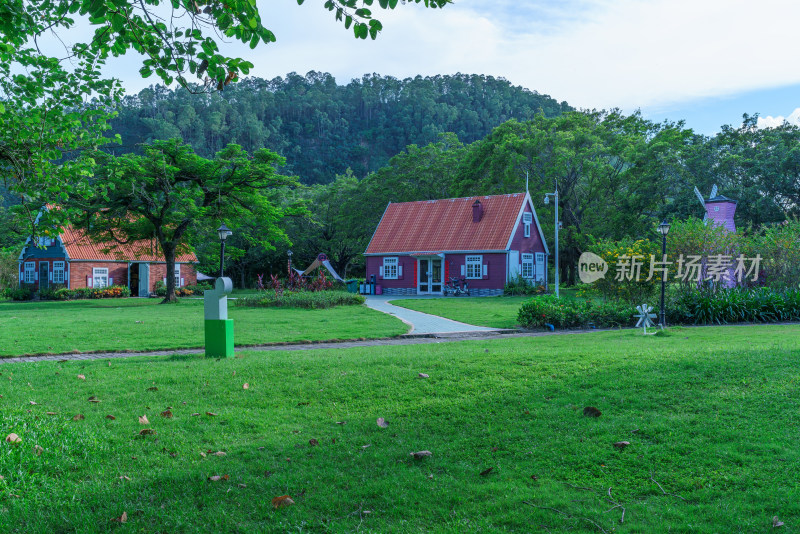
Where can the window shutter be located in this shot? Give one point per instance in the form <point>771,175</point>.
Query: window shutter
<point>380,271</point>
<point>165,280</point>
<point>182,284</point>
<point>110,281</point>
<point>485,267</point>
<point>463,270</point>
<point>50,275</point>
<point>88,281</point>
<point>399,271</point>
<point>36,274</point>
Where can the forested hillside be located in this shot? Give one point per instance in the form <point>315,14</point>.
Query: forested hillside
<point>323,128</point>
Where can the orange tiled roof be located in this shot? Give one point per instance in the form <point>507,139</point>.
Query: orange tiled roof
<point>80,247</point>
<point>441,225</point>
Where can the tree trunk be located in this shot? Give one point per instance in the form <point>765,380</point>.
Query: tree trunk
<point>169,257</point>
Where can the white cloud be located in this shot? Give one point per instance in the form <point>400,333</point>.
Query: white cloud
<point>592,53</point>
<point>773,122</point>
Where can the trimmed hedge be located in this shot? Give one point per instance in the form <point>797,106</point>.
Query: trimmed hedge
<point>562,313</point>
<point>303,299</point>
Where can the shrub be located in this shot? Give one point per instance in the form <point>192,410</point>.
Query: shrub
<point>561,313</point>
<point>160,289</point>
<point>721,306</point>
<point>303,299</point>
<point>21,293</point>
<point>91,293</point>
<point>522,286</point>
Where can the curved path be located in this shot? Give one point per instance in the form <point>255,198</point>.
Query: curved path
<point>422,323</point>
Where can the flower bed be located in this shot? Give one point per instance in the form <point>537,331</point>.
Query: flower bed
<point>91,293</point>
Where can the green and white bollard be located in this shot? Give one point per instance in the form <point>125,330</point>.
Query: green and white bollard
<point>219,329</point>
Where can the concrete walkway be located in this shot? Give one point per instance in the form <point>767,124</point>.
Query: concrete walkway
<point>421,323</point>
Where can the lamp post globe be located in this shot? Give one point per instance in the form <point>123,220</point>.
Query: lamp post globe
<point>223,232</point>
<point>663,229</point>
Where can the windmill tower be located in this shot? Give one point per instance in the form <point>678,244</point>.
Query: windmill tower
<point>718,209</point>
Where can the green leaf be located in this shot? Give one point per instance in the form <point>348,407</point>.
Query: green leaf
<point>253,23</point>
<point>384,3</point>
<point>348,21</point>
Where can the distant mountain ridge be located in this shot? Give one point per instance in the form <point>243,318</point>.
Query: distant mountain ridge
<point>323,128</point>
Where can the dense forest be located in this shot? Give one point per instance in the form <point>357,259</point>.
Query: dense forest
<point>323,128</point>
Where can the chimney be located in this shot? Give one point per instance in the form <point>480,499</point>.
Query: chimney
<point>477,211</point>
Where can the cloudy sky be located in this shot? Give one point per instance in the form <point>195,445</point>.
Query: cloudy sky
<point>703,61</point>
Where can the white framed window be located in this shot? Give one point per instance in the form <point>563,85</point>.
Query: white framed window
<point>527,266</point>
<point>527,220</point>
<point>58,272</point>
<point>390,269</point>
<point>100,277</point>
<point>30,272</point>
<point>474,267</point>
<point>177,275</point>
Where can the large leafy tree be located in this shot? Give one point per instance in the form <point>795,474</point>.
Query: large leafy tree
<point>172,194</point>
<point>54,106</point>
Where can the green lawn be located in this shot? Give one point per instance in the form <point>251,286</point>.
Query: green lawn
<point>711,415</point>
<point>495,312</point>
<point>143,324</point>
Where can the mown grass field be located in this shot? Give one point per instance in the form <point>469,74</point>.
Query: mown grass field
<point>143,324</point>
<point>711,415</point>
<point>494,312</point>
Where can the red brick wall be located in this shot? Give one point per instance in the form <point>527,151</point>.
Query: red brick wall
<point>79,271</point>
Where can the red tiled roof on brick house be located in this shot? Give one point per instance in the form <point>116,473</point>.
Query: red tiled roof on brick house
<point>80,246</point>
<point>447,225</point>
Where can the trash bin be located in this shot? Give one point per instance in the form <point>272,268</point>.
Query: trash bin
<point>378,290</point>
<point>352,286</point>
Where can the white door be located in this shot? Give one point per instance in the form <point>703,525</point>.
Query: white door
<point>144,279</point>
<point>424,277</point>
<point>513,264</point>
<point>541,269</point>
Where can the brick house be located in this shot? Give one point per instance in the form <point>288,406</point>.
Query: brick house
<point>488,240</point>
<point>73,260</point>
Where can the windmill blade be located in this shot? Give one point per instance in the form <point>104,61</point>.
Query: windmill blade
<point>700,196</point>
<point>713,191</point>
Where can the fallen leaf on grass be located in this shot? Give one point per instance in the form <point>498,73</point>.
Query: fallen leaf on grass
<point>534,477</point>
<point>38,450</point>
<point>34,403</point>
<point>218,453</point>
<point>146,432</point>
<point>51,413</point>
<point>217,478</point>
<point>283,500</point>
<point>79,417</point>
<point>341,422</point>
<point>195,414</point>
<point>121,519</point>
<point>81,377</point>
<point>94,399</point>
<point>776,522</point>
<point>13,438</point>
<point>167,414</point>
<point>241,485</point>
<point>111,417</point>
<point>123,477</point>
<point>423,375</point>
<point>591,411</point>
<point>211,414</point>
<point>245,386</point>
<point>486,471</point>
<point>313,442</point>
<point>622,444</point>
<point>421,454</point>
<point>381,422</point>
<point>366,446</point>
<point>153,388</point>
<point>143,420</point>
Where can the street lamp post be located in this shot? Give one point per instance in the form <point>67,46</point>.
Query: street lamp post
<point>555,201</point>
<point>223,232</point>
<point>663,229</point>
<point>289,266</point>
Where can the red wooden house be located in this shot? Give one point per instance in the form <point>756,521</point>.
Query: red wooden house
<point>488,240</point>
<point>73,260</point>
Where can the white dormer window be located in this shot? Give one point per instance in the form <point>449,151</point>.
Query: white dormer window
<point>527,220</point>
